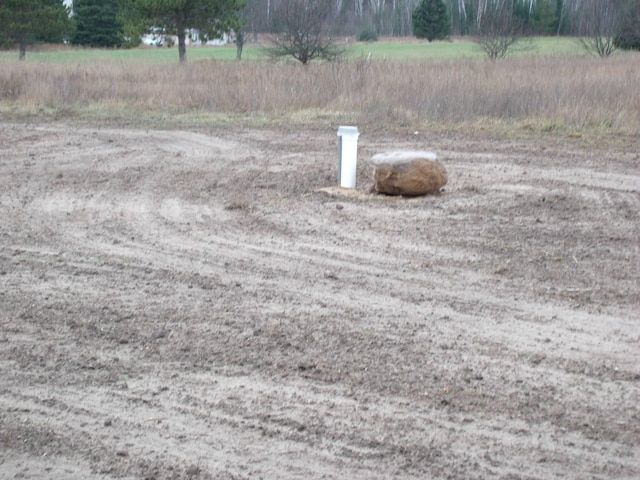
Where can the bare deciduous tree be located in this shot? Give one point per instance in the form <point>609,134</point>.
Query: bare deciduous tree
<point>498,29</point>
<point>304,31</point>
<point>599,22</point>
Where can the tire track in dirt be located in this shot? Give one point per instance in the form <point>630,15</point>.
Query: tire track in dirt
<point>267,262</point>
<point>225,319</point>
<point>306,432</point>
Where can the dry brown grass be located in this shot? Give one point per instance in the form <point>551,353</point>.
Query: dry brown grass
<point>542,93</point>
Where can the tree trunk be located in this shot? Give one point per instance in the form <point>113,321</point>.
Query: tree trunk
<point>182,46</point>
<point>239,44</point>
<point>22,45</point>
<point>560,13</point>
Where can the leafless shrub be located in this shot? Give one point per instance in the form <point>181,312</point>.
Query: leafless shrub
<point>599,21</point>
<point>498,30</point>
<point>303,31</point>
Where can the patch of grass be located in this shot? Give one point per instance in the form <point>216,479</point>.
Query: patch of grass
<point>383,50</point>
<point>141,55</point>
<point>460,49</point>
<point>413,50</point>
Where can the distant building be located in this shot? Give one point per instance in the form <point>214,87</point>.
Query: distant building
<point>158,38</point>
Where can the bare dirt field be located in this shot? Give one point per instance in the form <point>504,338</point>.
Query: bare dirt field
<point>203,304</point>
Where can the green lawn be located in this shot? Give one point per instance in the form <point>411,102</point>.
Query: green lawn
<point>135,55</point>
<point>460,49</point>
<point>410,49</point>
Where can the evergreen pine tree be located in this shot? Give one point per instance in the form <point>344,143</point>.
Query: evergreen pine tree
<point>97,23</point>
<point>431,20</point>
<point>26,21</point>
<point>544,19</point>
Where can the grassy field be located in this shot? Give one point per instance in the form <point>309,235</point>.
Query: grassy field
<point>400,49</point>
<point>461,49</point>
<point>549,86</point>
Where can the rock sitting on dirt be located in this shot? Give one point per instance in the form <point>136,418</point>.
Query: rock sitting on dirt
<point>408,173</point>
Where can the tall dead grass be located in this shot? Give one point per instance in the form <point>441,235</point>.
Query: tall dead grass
<point>547,92</point>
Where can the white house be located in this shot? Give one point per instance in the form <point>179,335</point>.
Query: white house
<point>156,37</point>
<point>159,39</point>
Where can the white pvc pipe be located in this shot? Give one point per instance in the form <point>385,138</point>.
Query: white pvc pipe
<point>347,156</point>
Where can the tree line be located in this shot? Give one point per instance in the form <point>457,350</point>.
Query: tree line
<point>120,23</point>
<point>394,17</point>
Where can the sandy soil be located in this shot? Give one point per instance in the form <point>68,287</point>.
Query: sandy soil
<point>182,304</point>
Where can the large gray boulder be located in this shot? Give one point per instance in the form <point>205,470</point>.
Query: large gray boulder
<point>408,173</point>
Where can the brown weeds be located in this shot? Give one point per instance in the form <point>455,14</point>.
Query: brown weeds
<point>543,93</point>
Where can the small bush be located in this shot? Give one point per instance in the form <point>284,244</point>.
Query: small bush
<point>368,35</point>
